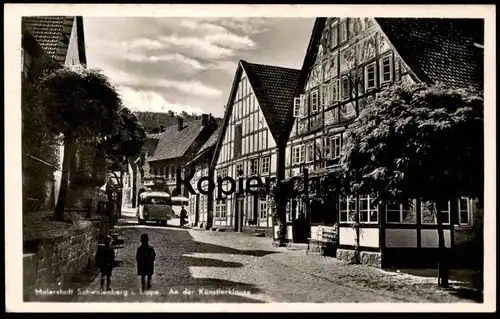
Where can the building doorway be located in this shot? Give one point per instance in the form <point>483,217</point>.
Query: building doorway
<point>238,217</point>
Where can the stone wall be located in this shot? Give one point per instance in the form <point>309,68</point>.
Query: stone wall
<point>366,257</point>
<point>52,263</point>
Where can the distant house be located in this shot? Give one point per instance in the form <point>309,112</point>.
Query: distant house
<point>177,145</point>
<point>51,41</point>
<point>200,206</point>
<point>252,141</point>
<point>137,169</point>
<point>349,59</point>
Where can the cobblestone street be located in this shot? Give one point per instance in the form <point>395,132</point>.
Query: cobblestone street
<point>205,266</point>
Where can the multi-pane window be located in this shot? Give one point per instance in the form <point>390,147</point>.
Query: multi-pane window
<point>336,146</point>
<point>325,95</point>
<point>345,87</point>
<point>298,154</point>
<point>239,169</point>
<point>310,152</point>
<point>370,76</point>
<point>334,37</point>
<point>368,211</point>
<point>263,209</point>
<point>343,32</point>
<point>386,69</point>
<point>332,146</point>
<point>347,209</point>
<point>266,162</point>
<point>428,215</point>
<point>221,208</point>
<point>464,211</point>
<point>402,213</point>
<point>314,101</point>
<point>297,104</point>
<point>334,90</point>
<point>254,166</point>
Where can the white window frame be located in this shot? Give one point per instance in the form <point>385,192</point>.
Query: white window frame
<point>297,105</point>
<point>314,98</point>
<point>401,214</point>
<point>368,210</point>
<point>327,147</point>
<point>304,110</point>
<point>350,202</point>
<point>295,154</point>
<point>239,165</point>
<point>310,152</point>
<point>343,25</point>
<point>325,95</point>
<point>265,163</point>
<point>422,206</point>
<point>367,80</point>
<point>342,97</point>
<point>253,169</point>
<point>336,146</point>
<point>468,211</point>
<point>333,88</point>
<point>381,64</point>
<point>263,212</point>
<point>334,34</point>
<point>302,155</point>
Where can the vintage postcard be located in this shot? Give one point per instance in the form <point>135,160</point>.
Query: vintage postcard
<point>255,158</point>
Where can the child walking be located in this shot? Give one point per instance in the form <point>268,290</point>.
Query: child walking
<point>105,260</point>
<point>145,261</point>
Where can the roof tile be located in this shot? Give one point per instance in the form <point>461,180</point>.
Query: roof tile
<point>438,47</point>
<point>275,89</point>
<point>49,31</point>
<point>174,143</point>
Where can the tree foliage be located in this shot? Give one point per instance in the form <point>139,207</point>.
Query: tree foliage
<point>84,107</point>
<point>420,141</point>
<point>81,103</point>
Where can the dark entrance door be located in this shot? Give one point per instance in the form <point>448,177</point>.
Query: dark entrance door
<point>197,209</point>
<point>238,217</point>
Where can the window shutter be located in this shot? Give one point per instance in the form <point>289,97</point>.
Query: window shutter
<point>297,103</point>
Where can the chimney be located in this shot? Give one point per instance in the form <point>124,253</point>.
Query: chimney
<point>204,119</point>
<point>180,123</point>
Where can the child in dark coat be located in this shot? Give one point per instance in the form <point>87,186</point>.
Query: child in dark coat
<point>105,260</point>
<point>145,261</point>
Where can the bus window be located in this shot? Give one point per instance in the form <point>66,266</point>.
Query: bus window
<point>157,200</point>
<point>179,202</point>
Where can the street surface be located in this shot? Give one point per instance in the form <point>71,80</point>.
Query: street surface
<point>207,266</point>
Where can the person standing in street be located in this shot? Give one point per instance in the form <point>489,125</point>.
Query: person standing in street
<point>105,261</point>
<point>145,261</point>
<point>183,216</point>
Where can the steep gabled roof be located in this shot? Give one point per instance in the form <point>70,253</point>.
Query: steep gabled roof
<point>209,145</point>
<point>174,143</point>
<point>436,47</point>
<point>274,87</point>
<point>53,34</point>
<point>437,50</point>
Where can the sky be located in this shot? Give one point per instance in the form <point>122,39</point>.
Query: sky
<point>188,64</point>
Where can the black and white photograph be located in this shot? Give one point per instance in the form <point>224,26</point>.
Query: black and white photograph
<point>295,157</point>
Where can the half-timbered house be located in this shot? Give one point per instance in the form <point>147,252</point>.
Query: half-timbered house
<point>347,60</point>
<point>255,129</point>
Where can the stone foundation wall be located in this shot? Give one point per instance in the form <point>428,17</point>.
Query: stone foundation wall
<point>366,257</point>
<point>57,261</point>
